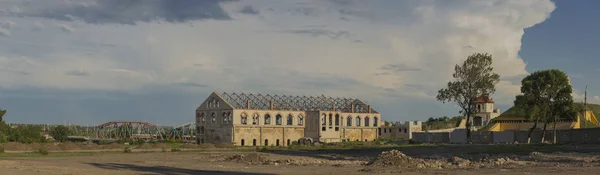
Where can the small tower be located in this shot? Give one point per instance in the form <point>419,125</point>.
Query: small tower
<point>485,111</point>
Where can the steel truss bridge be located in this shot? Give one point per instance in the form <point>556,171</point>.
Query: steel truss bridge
<point>119,130</point>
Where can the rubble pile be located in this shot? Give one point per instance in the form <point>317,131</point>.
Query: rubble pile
<point>252,158</point>
<point>392,158</point>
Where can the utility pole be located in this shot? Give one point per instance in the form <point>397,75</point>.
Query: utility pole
<point>585,108</point>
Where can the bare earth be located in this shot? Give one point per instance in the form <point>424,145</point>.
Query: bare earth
<point>419,161</point>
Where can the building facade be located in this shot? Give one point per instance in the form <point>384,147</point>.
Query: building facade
<point>272,120</point>
<point>400,130</point>
<point>486,112</point>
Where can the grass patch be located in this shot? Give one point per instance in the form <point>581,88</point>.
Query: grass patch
<point>42,151</point>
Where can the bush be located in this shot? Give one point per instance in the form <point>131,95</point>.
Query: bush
<point>1,149</point>
<point>127,149</point>
<point>60,133</point>
<point>175,149</point>
<point>164,150</point>
<point>43,151</point>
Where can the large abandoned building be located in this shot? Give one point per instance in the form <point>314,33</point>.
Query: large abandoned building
<point>265,120</point>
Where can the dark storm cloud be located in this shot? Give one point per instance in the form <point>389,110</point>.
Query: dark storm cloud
<point>398,68</point>
<point>249,10</point>
<point>119,11</point>
<point>320,32</point>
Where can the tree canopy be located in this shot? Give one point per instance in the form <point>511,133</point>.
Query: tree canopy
<point>2,112</point>
<point>547,90</point>
<point>60,133</point>
<point>475,78</point>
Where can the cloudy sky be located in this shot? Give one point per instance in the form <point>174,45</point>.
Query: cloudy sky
<point>92,61</point>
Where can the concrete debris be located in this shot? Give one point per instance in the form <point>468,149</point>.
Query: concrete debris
<point>252,158</point>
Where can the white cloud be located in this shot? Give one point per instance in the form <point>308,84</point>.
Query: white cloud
<point>597,98</point>
<point>37,26</point>
<point>310,47</point>
<point>4,32</point>
<point>7,24</point>
<point>66,28</point>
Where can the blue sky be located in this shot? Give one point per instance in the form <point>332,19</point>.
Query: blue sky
<point>93,61</point>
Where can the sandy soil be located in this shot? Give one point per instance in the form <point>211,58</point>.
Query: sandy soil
<point>306,162</point>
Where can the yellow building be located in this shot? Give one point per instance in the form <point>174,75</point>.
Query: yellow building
<point>274,120</point>
<point>514,123</point>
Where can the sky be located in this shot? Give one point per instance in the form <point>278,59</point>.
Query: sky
<point>92,61</point>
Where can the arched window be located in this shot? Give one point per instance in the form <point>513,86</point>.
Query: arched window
<point>224,115</point>
<point>290,120</point>
<point>367,120</point>
<point>324,120</point>
<point>277,142</point>
<point>300,120</point>
<point>214,117</point>
<point>357,121</point>
<point>201,117</point>
<point>337,119</point>
<point>217,103</point>
<point>278,119</point>
<point>202,130</point>
<point>244,119</point>
<point>253,142</point>
<point>210,104</point>
<point>330,119</point>
<point>243,144</point>
<point>267,119</point>
<point>255,119</point>
<point>266,142</point>
<point>375,121</point>
<point>288,142</point>
<point>349,121</point>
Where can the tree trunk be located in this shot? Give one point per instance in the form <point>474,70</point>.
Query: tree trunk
<point>554,133</point>
<point>468,127</point>
<point>531,130</point>
<point>544,132</point>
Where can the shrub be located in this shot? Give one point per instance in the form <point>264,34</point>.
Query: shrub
<point>1,149</point>
<point>43,151</point>
<point>60,133</point>
<point>164,150</point>
<point>175,149</point>
<point>127,149</point>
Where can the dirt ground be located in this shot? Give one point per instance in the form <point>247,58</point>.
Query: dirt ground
<point>432,160</point>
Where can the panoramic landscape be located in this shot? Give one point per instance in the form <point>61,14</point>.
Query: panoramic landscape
<point>299,87</point>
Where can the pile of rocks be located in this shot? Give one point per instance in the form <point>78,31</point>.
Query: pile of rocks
<point>392,158</point>
<point>252,158</point>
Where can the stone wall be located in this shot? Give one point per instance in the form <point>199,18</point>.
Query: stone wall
<point>267,136</point>
<point>577,136</point>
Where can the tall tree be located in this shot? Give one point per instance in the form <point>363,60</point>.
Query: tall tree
<point>2,112</point>
<point>474,79</point>
<point>546,97</point>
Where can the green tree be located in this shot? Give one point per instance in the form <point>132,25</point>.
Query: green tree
<point>546,96</point>
<point>3,127</point>
<point>2,112</point>
<point>25,134</point>
<point>60,133</point>
<point>532,109</point>
<point>473,79</point>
